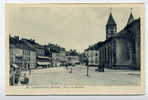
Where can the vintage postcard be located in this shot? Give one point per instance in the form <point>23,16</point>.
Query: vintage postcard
<point>75,49</point>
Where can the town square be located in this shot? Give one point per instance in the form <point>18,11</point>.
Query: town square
<point>81,46</point>
<point>61,76</point>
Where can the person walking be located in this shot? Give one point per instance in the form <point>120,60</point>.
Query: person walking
<point>66,67</point>
<point>30,71</point>
<point>70,69</point>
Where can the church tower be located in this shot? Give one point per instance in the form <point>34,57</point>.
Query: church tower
<point>111,27</point>
<point>131,18</point>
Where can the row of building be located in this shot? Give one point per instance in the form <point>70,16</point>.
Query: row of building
<point>120,50</point>
<point>28,54</point>
<point>63,58</point>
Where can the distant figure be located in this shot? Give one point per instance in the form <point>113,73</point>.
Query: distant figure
<point>70,70</point>
<point>24,79</point>
<point>73,65</point>
<point>30,71</point>
<point>66,67</point>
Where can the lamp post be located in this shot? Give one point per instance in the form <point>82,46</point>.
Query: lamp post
<point>87,71</point>
<point>87,66</point>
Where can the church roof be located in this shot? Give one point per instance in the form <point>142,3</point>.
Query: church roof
<point>127,31</point>
<point>111,20</point>
<point>131,18</point>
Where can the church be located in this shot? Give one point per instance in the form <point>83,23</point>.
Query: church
<point>121,50</point>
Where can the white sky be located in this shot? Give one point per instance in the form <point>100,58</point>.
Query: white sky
<point>69,27</point>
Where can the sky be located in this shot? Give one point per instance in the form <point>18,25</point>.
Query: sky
<point>69,27</point>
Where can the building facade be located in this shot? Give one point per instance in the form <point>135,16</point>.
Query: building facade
<point>121,50</point>
<point>93,57</point>
<point>73,59</point>
<point>43,62</point>
<point>59,59</point>
<point>32,59</point>
<point>21,54</point>
<point>42,59</point>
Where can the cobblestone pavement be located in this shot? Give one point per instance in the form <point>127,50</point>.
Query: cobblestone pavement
<point>61,76</point>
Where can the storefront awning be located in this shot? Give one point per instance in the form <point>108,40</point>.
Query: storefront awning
<point>43,57</point>
<point>43,63</point>
<point>15,66</point>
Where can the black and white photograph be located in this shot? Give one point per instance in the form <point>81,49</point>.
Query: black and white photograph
<point>74,49</point>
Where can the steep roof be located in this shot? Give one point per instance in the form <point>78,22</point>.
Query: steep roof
<point>125,32</point>
<point>17,43</point>
<point>33,44</point>
<point>95,46</point>
<point>111,20</point>
<point>131,19</point>
<point>29,45</point>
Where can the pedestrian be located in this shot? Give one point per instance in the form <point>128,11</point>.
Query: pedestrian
<point>24,79</point>
<point>70,70</point>
<point>66,67</point>
<point>73,65</point>
<point>30,71</point>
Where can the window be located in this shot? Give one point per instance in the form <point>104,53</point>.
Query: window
<point>96,54</point>
<point>91,61</point>
<point>109,31</point>
<point>96,60</point>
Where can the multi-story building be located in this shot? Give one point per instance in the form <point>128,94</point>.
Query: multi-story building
<point>73,59</point>
<point>32,59</point>
<point>93,57</point>
<point>21,55</point>
<point>59,59</point>
<point>12,53</point>
<point>42,59</point>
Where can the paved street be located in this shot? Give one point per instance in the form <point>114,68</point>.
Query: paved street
<point>61,76</point>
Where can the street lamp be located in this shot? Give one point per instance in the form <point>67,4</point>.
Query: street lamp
<point>87,71</point>
<point>87,66</point>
